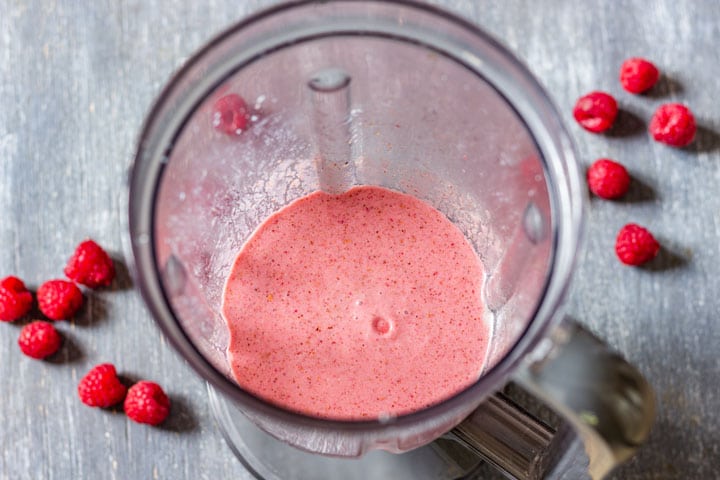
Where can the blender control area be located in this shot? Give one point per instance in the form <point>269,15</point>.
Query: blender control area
<point>359,239</point>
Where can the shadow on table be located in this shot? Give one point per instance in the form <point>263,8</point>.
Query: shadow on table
<point>669,258</point>
<point>69,352</point>
<point>123,279</point>
<point>665,87</point>
<point>706,140</point>
<point>182,417</point>
<point>626,124</point>
<point>93,311</point>
<point>639,192</point>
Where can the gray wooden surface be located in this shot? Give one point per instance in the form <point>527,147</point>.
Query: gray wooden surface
<point>76,79</point>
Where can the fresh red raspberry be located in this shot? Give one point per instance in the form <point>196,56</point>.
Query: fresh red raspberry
<point>229,114</point>
<point>39,339</point>
<point>90,265</point>
<point>608,179</point>
<point>637,75</point>
<point>59,299</point>
<point>673,124</point>
<point>101,387</point>
<point>15,299</point>
<point>635,245</point>
<point>596,111</point>
<point>13,283</point>
<point>147,403</point>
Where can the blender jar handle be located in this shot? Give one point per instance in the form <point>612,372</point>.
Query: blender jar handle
<point>606,400</point>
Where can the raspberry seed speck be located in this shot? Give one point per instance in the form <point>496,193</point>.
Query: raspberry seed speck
<point>101,387</point>
<point>608,179</point>
<point>596,111</point>
<point>635,245</point>
<point>230,114</point>
<point>146,402</point>
<point>638,75</point>
<point>59,299</point>
<point>673,124</point>
<point>90,265</point>
<point>15,299</point>
<point>39,339</point>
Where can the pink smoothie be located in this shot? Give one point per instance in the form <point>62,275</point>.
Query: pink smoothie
<point>355,306</point>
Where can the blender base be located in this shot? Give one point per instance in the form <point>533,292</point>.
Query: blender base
<point>267,458</point>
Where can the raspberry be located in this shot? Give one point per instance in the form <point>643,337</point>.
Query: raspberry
<point>59,299</point>
<point>13,283</point>
<point>147,403</point>
<point>15,299</point>
<point>673,124</point>
<point>90,265</point>
<point>635,245</point>
<point>638,75</point>
<point>596,111</point>
<point>608,179</point>
<point>229,114</point>
<point>101,387</point>
<point>39,339</point>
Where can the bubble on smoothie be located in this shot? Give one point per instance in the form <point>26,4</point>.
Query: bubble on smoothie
<point>381,325</point>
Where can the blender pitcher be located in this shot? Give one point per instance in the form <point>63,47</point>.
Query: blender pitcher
<point>411,98</point>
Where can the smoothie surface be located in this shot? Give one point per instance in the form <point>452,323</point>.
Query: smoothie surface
<point>356,306</point>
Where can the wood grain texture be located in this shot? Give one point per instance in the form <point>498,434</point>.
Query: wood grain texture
<point>76,79</point>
